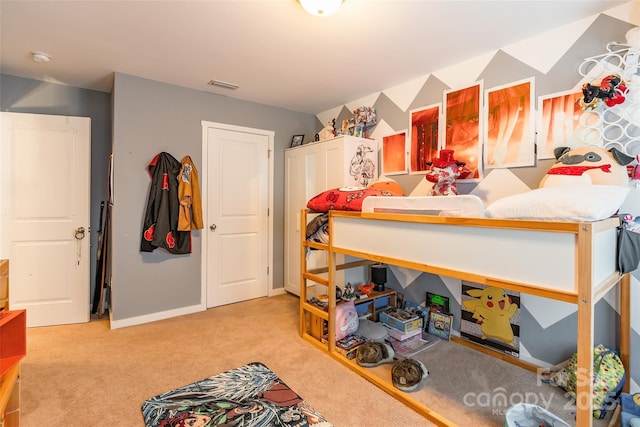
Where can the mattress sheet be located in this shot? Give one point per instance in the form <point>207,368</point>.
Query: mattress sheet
<point>466,205</point>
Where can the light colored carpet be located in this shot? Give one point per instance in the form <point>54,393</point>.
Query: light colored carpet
<point>88,375</point>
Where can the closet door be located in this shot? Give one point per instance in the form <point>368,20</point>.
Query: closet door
<point>45,166</point>
<point>238,192</point>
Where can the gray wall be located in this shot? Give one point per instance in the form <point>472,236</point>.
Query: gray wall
<point>22,95</point>
<point>150,117</point>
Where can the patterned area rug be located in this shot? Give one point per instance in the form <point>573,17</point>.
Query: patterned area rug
<point>251,395</point>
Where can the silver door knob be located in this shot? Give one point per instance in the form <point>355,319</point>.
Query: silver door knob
<point>212,227</point>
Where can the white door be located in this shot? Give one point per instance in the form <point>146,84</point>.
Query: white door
<point>237,224</point>
<point>44,231</point>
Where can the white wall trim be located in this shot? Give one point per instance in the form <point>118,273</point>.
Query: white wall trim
<point>278,291</point>
<point>139,320</point>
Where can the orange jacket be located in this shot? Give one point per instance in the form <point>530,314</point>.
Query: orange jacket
<point>190,217</point>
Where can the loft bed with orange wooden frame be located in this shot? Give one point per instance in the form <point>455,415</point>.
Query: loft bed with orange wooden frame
<point>579,259</point>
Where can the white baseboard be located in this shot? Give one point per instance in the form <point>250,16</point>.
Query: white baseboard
<point>276,292</point>
<point>147,318</point>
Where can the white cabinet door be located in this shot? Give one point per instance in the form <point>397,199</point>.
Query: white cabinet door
<point>311,169</point>
<point>294,194</point>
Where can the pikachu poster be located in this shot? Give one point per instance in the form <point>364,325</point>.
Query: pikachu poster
<point>490,316</point>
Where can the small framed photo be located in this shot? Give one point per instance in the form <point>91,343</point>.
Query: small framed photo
<point>440,325</point>
<point>297,140</point>
<point>435,302</point>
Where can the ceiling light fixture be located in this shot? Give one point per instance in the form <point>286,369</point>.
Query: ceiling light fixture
<point>321,7</point>
<point>223,84</point>
<point>41,57</point>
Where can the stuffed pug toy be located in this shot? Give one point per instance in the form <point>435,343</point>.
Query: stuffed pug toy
<point>588,165</point>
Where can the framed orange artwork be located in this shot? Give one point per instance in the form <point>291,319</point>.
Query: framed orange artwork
<point>559,122</point>
<point>463,127</point>
<point>509,126</point>
<point>394,154</point>
<point>424,137</point>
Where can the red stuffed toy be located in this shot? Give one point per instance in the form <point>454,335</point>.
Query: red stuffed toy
<point>444,171</point>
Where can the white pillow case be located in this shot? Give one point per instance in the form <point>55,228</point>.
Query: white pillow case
<point>561,203</point>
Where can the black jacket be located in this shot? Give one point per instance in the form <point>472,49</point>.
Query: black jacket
<point>160,229</point>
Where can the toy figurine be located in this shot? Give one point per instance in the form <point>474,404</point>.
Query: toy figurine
<point>366,289</point>
<point>349,292</point>
<point>329,130</point>
<point>443,173</point>
<point>611,91</point>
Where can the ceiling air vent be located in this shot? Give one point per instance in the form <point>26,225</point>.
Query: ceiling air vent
<point>223,84</point>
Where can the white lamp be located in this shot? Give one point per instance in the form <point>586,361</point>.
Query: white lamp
<point>321,7</point>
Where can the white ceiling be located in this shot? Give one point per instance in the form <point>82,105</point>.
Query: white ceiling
<point>277,53</point>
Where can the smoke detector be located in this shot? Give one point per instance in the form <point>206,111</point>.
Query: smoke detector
<point>41,56</point>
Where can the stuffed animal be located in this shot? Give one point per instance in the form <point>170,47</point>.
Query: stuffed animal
<point>611,91</point>
<point>329,131</point>
<point>443,173</point>
<point>346,319</point>
<point>590,165</point>
<point>630,405</point>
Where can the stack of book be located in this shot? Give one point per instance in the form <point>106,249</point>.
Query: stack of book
<point>405,332</point>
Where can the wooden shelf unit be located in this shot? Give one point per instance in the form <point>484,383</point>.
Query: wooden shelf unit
<point>4,284</point>
<point>315,320</point>
<point>312,318</point>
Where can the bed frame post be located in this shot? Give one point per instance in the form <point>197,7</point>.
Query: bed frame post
<point>625,326</point>
<point>303,268</point>
<point>584,284</point>
<point>331,290</point>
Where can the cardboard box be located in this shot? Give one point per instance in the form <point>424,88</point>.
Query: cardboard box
<point>400,320</point>
<point>401,335</point>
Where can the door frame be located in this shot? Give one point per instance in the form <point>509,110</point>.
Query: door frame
<point>204,184</point>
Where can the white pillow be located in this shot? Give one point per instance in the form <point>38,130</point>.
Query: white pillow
<point>562,203</point>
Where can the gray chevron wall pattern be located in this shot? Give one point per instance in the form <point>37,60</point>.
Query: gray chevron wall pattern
<point>552,60</point>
